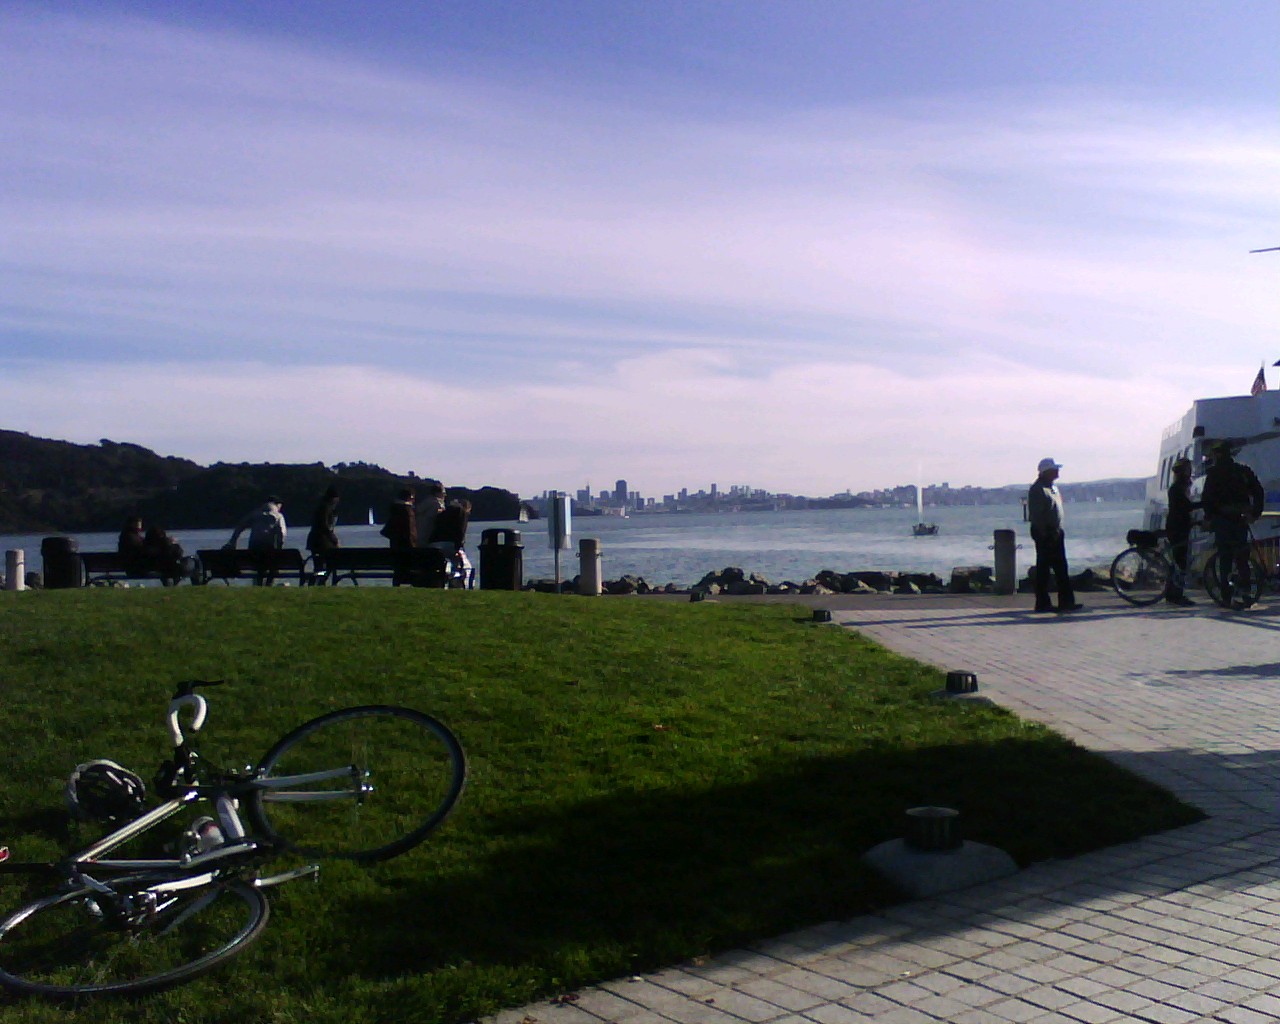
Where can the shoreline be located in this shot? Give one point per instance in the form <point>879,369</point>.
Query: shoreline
<point>679,551</point>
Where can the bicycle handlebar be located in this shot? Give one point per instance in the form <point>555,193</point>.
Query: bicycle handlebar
<point>184,695</point>
<point>200,709</point>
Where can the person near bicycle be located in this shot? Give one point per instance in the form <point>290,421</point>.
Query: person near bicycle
<point>1044,509</point>
<point>1177,528</point>
<point>449,535</point>
<point>1232,498</point>
<point>267,531</point>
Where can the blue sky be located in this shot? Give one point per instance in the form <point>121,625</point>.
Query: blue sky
<point>799,245</point>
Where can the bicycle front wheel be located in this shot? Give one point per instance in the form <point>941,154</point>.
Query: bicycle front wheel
<point>363,784</point>
<point>85,943</point>
<point>1140,575</point>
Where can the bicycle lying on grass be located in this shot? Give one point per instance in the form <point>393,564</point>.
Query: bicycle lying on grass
<point>363,784</point>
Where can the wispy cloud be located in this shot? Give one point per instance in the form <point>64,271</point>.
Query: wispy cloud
<point>200,226</point>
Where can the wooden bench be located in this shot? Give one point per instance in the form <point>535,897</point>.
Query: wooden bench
<point>427,566</point>
<point>103,567</point>
<point>227,564</point>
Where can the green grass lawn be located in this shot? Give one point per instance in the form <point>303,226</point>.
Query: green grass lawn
<point>650,780</point>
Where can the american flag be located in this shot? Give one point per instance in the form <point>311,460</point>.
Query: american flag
<point>1259,382</point>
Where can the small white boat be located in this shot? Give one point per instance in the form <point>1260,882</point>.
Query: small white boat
<point>371,522</point>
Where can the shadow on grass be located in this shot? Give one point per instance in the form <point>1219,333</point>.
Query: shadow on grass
<point>53,823</point>
<point>649,878</point>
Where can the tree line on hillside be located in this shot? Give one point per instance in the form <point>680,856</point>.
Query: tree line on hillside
<point>58,486</point>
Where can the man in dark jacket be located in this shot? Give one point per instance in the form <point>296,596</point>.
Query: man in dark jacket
<point>401,530</point>
<point>323,535</point>
<point>448,537</point>
<point>1232,498</point>
<point>1177,526</point>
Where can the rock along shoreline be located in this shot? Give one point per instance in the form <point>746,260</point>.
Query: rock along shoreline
<point>735,582</point>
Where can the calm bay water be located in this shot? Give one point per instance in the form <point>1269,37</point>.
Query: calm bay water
<point>682,548</point>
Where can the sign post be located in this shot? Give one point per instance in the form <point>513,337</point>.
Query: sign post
<point>559,528</point>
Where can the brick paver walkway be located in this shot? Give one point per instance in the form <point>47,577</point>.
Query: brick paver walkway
<point>1183,926</point>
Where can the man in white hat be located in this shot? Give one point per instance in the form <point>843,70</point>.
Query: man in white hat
<point>1044,509</point>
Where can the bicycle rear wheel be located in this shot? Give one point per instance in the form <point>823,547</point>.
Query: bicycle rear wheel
<point>1141,575</point>
<point>364,784</point>
<point>1213,582</point>
<point>84,943</point>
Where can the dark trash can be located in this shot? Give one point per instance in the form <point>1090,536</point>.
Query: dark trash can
<point>62,566</point>
<point>501,560</point>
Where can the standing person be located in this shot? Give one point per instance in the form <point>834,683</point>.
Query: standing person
<point>429,507</point>
<point>1044,509</point>
<point>449,536</point>
<point>267,531</point>
<point>401,529</point>
<point>1177,526</point>
<point>1232,498</point>
<point>323,535</point>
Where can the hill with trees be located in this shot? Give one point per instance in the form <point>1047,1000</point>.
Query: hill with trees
<point>58,486</point>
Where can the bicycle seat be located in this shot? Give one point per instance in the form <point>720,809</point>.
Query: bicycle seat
<point>1144,538</point>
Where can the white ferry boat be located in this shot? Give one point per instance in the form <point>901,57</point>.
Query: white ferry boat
<point>1251,423</point>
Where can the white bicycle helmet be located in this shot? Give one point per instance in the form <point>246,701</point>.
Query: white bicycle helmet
<point>102,790</point>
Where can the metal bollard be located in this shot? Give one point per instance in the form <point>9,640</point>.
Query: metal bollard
<point>962,682</point>
<point>15,575</point>
<point>589,567</point>
<point>933,829</point>
<point>1006,549</point>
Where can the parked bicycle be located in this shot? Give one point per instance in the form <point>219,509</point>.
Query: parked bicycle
<point>364,784</point>
<point>1142,573</point>
<point>1236,595</point>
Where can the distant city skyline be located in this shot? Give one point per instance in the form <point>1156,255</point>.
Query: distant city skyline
<point>621,496</point>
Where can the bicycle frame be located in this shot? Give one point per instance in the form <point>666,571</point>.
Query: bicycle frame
<point>1200,549</point>
<point>201,867</point>
<point>93,855</point>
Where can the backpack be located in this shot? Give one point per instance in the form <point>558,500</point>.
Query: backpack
<point>265,530</point>
<point>1235,488</point>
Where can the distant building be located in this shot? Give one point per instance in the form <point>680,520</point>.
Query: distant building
<point>620,492</point>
